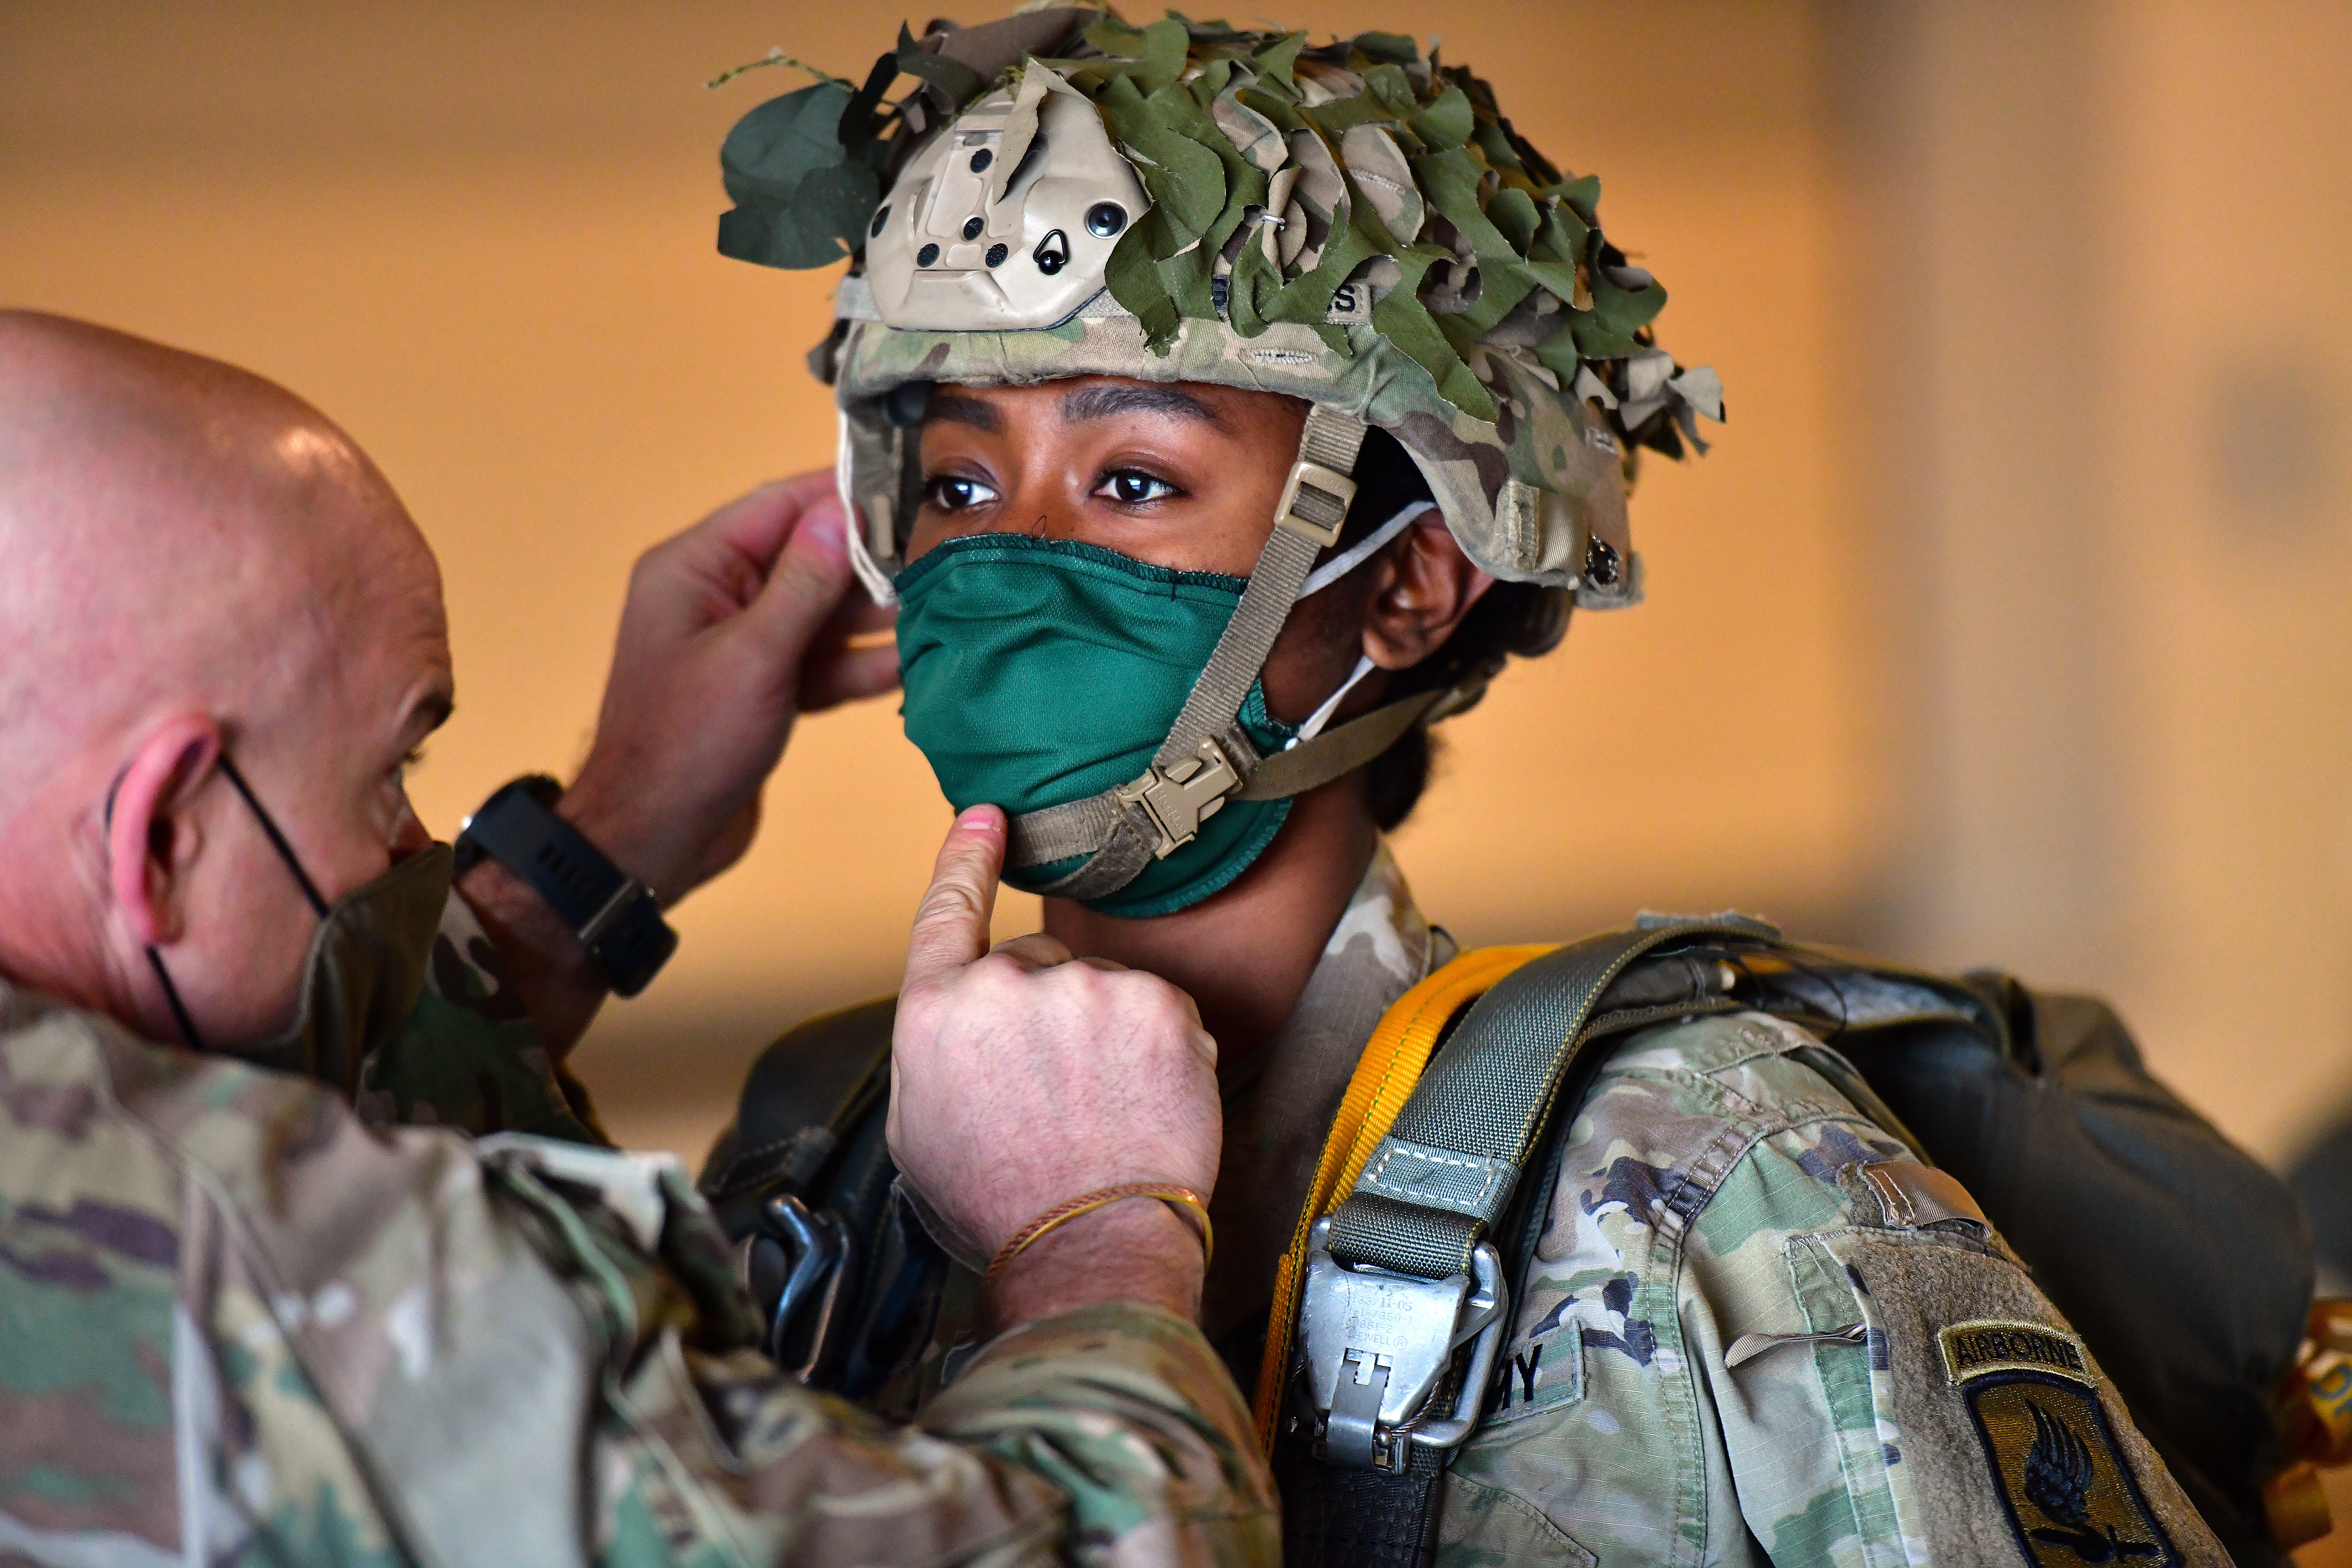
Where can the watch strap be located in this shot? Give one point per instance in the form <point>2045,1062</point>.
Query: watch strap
<point>616,918</point>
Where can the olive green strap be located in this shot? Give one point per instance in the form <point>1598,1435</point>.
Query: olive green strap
<point>1444,1174</point>
<point>1337,753</point>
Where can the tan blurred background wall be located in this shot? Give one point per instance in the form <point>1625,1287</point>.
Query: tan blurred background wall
<point>2005,623</point>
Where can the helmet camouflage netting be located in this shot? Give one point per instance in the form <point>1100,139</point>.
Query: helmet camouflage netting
<point>1064,194</point>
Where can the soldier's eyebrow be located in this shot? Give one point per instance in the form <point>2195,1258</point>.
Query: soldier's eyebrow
<point>1108,401</point>
<point>969,411</point>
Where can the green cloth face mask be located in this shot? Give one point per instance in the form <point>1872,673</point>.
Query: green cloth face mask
<point>1040,671</point>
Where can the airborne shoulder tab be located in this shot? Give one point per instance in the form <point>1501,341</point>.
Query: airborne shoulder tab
<point>1974,1350</point>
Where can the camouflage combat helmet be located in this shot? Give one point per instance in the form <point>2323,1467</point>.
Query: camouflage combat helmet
<point>1064,195</point>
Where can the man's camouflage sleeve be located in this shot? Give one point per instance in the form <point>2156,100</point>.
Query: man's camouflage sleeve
<point>1756,1326</point>
<point>467,1056</point>
<point>238,1325</point>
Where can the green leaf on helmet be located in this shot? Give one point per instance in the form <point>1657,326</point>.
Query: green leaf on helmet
<point>1390,87</point>
<point>1165,46</point>
<point>1623,308</point>
<point>1336,118</point>
<point>799,200</point>
<point>1254,280</point>
<point>1115,37</point>
<point>1185,179</point>
<point>1606,332</point>
<point>1154,57</point>
<point>1512,212</point>
<point>1448,122</point>
<point>1504,281</point>
<point>1273,61</point>
<point>1493,145</point>
<point>1584,196</point>
<point>1563,238</point>
<point>1557,353</point>
<point>1397,49</point>
<point>1283,112</point>
<point>1133,279</point>
<point>1449,180</point>
<point>957,81</point>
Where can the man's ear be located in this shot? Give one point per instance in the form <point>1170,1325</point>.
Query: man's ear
<point>152,837</point>
<point>1426,585</point>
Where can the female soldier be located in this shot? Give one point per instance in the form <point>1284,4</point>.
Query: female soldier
<point>1221,411</point>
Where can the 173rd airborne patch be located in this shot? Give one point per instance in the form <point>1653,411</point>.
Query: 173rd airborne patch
<point>2070,1497</point>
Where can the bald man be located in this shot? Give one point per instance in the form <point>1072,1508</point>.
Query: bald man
<point>238,1322</point>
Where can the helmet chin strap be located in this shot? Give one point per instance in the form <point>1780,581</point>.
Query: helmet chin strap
<point>1207,758</point>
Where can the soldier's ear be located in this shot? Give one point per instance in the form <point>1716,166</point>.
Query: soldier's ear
<point>1425,585</point>
<point>152,836</point>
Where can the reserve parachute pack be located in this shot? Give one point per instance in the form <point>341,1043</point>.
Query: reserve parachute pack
<point>2182,1263</point>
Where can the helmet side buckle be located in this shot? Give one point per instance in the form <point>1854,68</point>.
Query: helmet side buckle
<point>1314,502</point>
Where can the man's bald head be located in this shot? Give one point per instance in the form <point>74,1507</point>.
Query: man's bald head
<point>176,530</point>
<point>198,564</point>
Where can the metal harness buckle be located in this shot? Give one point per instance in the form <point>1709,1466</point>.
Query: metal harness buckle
<point>1374,1345</point>
<point>1328,494</point>
<point>815,1247</point>
<point>1177,800</point>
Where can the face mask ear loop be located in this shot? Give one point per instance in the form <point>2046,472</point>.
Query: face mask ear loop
<point>1356,554</point>
<point>277,839</point>
<point>179,1008</point>
<point>1322,716</point>
<point>186,1025</point>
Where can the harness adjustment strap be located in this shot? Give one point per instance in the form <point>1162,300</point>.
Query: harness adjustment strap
<point>1390,1270</point>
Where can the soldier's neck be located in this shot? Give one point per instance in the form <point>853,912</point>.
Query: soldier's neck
<point>1244,955</point>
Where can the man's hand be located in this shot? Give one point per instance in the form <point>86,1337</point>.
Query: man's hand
<point>1021,1079</point>
<point>731,630</point>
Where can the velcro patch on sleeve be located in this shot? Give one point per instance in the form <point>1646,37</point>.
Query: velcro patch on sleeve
<point>1988,1345</point>
<point>2070,1496</point>
<point>1911,1195</point>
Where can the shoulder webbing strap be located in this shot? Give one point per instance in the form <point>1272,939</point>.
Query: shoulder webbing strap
<point>1385,1074</point>
<point>1193,774</point>
<point>1445,1171</point>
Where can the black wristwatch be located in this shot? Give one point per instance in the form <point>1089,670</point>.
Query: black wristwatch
<point>616,918</point>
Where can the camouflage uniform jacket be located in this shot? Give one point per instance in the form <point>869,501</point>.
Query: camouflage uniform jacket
<point>237,1324</point>
<point>1714,1185</point>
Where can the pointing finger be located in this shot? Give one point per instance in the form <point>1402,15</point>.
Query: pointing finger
<point>952,924</point>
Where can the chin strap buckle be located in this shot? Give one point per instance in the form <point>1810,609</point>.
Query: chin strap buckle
<point>1178,799</point>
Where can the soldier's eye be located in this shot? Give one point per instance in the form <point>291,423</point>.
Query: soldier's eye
<point>950,493</point>
<point>1131,486</point>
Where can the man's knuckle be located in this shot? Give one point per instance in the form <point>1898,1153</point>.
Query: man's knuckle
<point>948,900</point>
